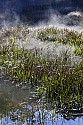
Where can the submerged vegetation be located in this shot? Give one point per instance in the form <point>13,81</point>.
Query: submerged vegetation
<point>59,79</point>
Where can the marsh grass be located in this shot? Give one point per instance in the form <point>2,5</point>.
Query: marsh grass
<point>64,36</point>
<point>57,79</point>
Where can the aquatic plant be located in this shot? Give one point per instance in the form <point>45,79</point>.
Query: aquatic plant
<point>64,36</point>
<point>58,78</point>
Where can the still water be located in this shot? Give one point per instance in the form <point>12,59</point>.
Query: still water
<point>18,107</point>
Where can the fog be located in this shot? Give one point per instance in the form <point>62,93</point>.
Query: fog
<point>35,12</point>
<point>52,19</point>
<point>10,17</point>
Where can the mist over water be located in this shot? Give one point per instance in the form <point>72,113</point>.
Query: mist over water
<point>39,18</point>
<point>39,15</point>
<point>33,12</point>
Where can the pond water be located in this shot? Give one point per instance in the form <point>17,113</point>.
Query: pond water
<point>18,107</point>
<point>10,96</point>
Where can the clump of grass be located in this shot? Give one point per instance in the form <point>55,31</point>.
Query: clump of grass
<point>57,79</point>
<point>64,36</point>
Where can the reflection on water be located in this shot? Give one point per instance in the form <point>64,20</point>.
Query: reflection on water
<point>16,108</point>
<point>37,119</point>
<point>11,97</point>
